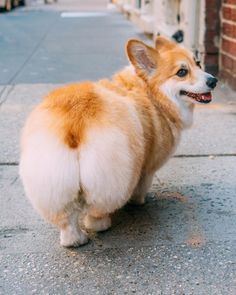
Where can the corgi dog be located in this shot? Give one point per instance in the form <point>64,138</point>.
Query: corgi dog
<point>89,148</point>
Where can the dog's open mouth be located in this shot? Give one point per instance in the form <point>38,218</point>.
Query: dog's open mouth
<point>200,97</point>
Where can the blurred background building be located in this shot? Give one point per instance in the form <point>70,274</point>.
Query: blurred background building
<point>208,27</point>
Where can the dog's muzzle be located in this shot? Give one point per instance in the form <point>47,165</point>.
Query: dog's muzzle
<point>211,82</point>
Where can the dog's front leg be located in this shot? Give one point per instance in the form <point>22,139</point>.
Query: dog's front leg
<point>139,194</point>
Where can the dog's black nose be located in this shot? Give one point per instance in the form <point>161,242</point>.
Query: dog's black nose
<point>211,82</point>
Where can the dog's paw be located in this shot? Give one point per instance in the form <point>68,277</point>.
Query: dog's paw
<point>97,224</point>
<point>71,237</point>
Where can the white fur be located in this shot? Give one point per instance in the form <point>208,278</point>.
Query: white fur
<point>72,235</point>
<point>106,166</point>
<point>49,171</point>
<point>169,89</point>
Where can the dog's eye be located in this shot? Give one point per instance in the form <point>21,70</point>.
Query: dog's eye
<point>182,73</point>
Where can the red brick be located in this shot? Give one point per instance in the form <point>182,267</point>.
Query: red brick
<point>211,59</point>
<point>211,3</point>
<point>210,47</point>
<point>229,46</point>
<point>229,30</point>
<point>212,21</point>
<point>212,32</point>
<point>227,62</point>
<point>229,13</point>
<point>230,2</point>
<point>212,18</point>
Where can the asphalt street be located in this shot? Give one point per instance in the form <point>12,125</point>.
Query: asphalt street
<point>182,241</point>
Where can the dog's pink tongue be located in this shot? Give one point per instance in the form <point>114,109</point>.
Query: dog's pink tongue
<point>206,96</point>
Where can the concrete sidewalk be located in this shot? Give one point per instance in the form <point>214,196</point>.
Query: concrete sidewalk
<point>183,241</point>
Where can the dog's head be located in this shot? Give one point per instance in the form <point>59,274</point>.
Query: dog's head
<point>172,69</point>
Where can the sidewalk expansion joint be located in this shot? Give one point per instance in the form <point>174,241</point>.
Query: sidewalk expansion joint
<point>9,163</point>
<point>176,156</point>
<point>205,155</point>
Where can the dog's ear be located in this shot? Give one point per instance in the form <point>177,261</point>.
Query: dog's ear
<point>162,43</point>
<point>142,57</point>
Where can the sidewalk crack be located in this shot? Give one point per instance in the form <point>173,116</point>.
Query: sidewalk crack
<point>4,93</point>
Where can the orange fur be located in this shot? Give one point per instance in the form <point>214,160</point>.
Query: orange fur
<point>130,112</point>
<point>154,115</point>
<point>73,108</point>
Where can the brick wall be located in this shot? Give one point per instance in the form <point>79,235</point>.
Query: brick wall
<point>212,34</point>
<point>228,42</point>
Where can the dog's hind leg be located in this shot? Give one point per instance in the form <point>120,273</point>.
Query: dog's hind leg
<point>139,194</point>
<point>96,220</point>
<point>70,233</point>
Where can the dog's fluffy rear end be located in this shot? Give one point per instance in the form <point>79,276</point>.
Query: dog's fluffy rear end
<point>98,144</point>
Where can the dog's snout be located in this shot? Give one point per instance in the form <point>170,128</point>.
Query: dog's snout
<point>211,82</point>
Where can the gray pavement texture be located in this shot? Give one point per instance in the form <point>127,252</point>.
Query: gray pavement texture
<point>182,241</point>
